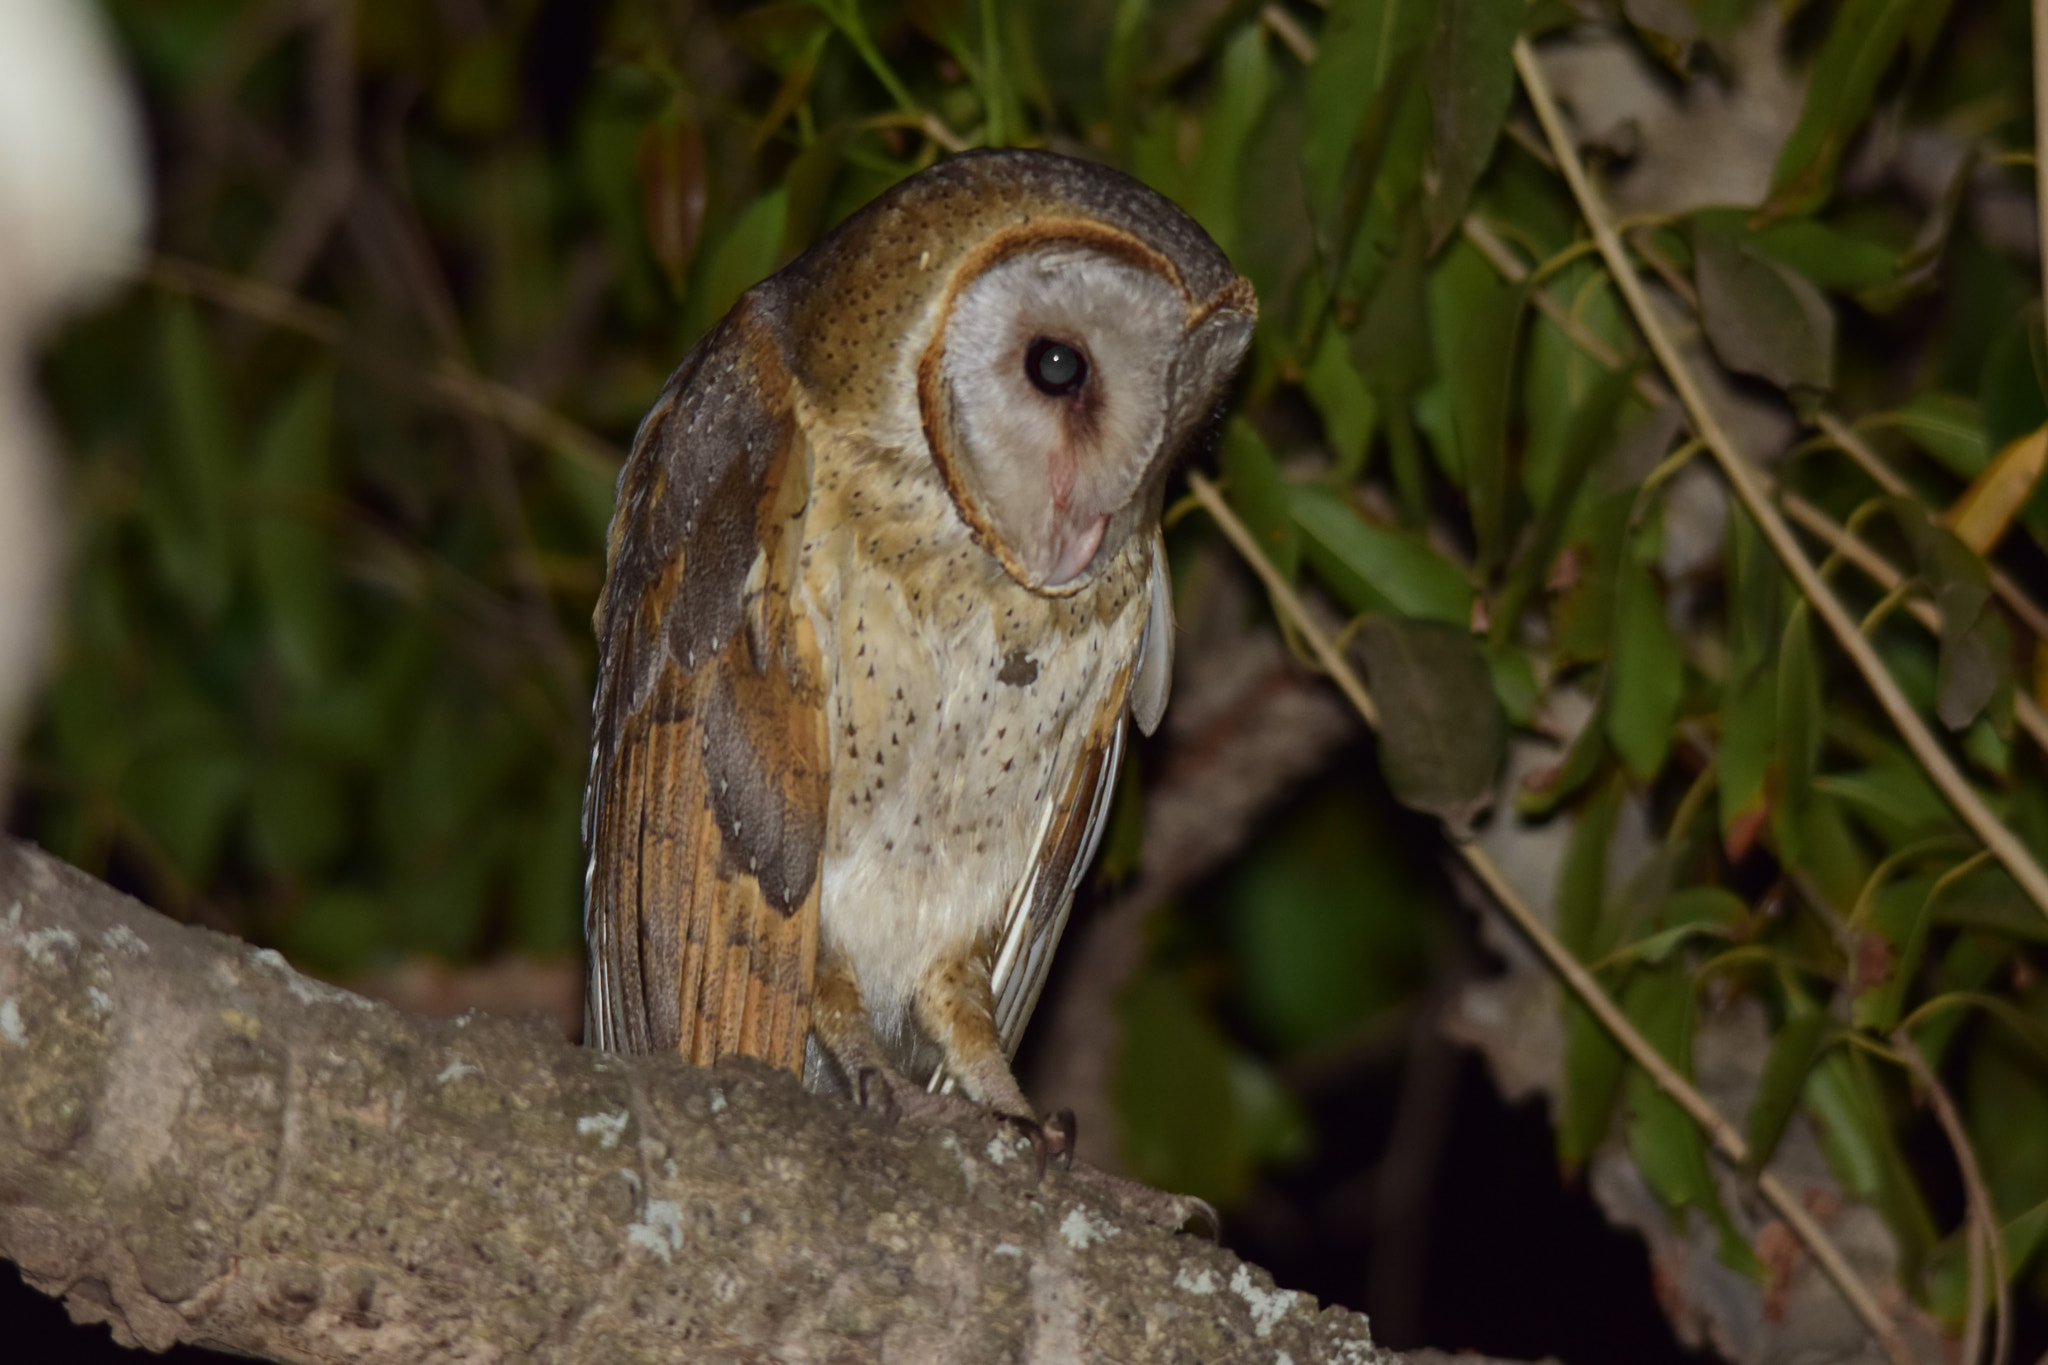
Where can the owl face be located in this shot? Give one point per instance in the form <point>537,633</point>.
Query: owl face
<point>1066,374</point>
<point>1050,333</point>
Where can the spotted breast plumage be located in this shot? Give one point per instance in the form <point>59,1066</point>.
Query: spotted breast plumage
<point>885,579</point>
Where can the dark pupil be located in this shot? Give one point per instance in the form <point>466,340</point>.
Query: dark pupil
<point>1055,367</point>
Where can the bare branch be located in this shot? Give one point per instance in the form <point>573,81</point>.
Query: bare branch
<point>201,1145</point>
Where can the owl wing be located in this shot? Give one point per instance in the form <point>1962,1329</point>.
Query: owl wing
<point>1072,827</point>
<point>705,810</point>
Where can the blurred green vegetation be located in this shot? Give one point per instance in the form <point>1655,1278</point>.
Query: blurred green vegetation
<point>344,463</point>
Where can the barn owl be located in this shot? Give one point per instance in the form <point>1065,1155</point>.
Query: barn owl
<point>885,578</point>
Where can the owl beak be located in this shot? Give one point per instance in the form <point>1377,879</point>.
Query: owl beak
<point>1074,547</point>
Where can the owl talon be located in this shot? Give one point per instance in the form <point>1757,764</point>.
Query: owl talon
<point>1059,1132</point>
<point>1175,1212</point>
<point>874,1091</point>
<point>1033,1132</point>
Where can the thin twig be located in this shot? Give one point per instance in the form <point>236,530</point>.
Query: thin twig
<point>1856,551</point>
<point>1667,1078</point>
<point>1870,462</point>
<point>1879,570</point>
<point>1290,32</point>
<point>1984,1234</point>
<point>1838,432</point>
<point>1748,487</point>
<point>319,193</point>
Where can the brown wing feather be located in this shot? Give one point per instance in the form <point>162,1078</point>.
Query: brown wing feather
<point>705,813</point>
<point>1073,829</point>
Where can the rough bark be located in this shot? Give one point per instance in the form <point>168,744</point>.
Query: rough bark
<point>198,1144</point>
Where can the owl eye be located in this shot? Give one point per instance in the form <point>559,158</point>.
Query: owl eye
<point>1055,367</point>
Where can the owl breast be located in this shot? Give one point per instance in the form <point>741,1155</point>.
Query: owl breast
<point>958,704</point>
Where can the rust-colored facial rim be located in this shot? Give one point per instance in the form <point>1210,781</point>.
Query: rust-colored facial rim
<point>932,400</point>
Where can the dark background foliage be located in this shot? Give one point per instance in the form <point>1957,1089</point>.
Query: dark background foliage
<point>343,463</point>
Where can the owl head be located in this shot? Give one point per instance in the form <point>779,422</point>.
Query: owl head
<point>1068,333</point>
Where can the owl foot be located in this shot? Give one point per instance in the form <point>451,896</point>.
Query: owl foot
<point>1176,1212</point>
<point>896,1097</point>
<point>1051,1138</point>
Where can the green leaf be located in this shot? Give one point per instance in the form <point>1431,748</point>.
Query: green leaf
<point>190,515</point>
<point>1827,256</point>
<point>1276,1129</point>
<point>1392,345</point>
<point>1260,494</point>
<point>186,784</point>
<point>1749,730</point>
<point>1363,58</point>
<point>1348,409</point>
<point>1709,906</point>
<point>1919,264</point>
<point>1593,1062</point>
<point>478,92</point>
<point>1590,430</point>
<point>1755,600</point>
<point>1244,86</point>
<point>1376,568</point>
<point>1976,675</point>
<point>1991,900</point>
<point>1558,378</point>
<point>1843,1100</point>
<point>1667,1145</point>
<point>1762,319</point>
<point>1542,791</point>
<point>1582,879</point>
<point>2010,393</point>
<point>1861,43</point>
<point>1793,1053</point>
<point>337,932</point>
<point>1799,735</point>
<point>1480,387</point>
<point>1947,426</point>
<point>1470,77</point>
<point>587,488</point>
<point>1441,731</point>
<point>746,256</point>
<point>1582,615</point>
<point>1648,678</point>
<point>1657,948</point>
<point>1948,1271</point>
<point>1641,899</point>
<point>547,884</point>
<point>298,820</point>
<point>294,553</point>
<point>1173,1086</point>
<point>1327,926</point>
<point>1593,1068</point>
<point>1514,683</point>
<point>1953,571</point>
<point>1975,669</point>
<point>1123,843</point>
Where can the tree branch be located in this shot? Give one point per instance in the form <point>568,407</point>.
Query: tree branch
<point>198,1144</point>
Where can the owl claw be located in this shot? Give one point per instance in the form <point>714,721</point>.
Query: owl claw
<point>895,1097</point>
<point>1176,1212</point>
<point>1059,1131</point>
<point>874,1091</point>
